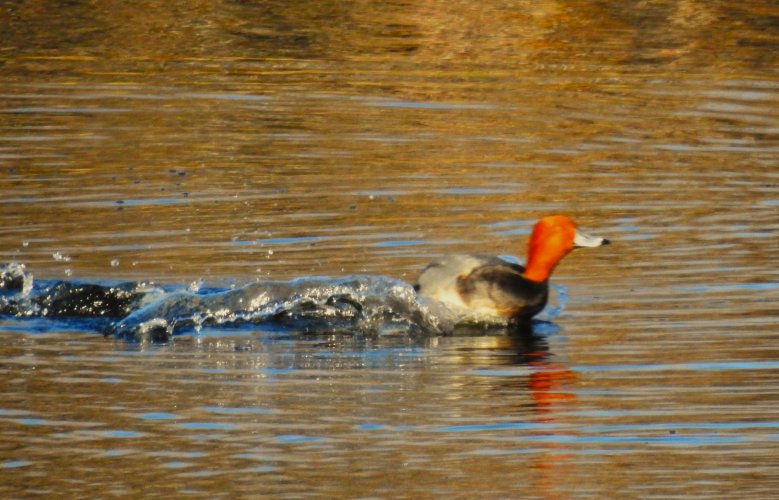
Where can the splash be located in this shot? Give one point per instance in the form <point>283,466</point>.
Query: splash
<point>148,312</point>
<point>144,312</point>
<point>368,304</point>
<point>15,279</point>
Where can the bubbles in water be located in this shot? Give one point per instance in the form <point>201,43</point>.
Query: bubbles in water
<point>154,330</point>
<point>60,257</point>
<point>195,286</point>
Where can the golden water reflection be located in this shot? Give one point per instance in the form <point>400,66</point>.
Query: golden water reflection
<point>234,141</point>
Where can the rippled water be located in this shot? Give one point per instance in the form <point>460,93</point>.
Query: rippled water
<point>214,147</point>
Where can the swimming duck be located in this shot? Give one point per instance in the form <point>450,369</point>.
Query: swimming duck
<point>488,286</point>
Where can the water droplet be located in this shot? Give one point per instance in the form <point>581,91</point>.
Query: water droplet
<point>60,257</point>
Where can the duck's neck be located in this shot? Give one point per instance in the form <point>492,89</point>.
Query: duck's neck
<point>543,256</point>
<point>539,267</point>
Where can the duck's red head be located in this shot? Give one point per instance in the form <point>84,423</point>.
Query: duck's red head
<point>553,237</point>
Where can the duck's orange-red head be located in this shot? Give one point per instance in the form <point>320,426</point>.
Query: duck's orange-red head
<point>553,237</point>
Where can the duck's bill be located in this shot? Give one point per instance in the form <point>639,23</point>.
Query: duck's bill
<point>582,240</point>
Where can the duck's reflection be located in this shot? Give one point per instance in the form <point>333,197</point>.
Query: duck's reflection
<point>549,386</point>
<point>520,365</point>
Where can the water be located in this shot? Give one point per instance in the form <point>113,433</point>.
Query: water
<point>213,148</point>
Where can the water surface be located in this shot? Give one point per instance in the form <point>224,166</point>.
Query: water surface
<point>219,144</point>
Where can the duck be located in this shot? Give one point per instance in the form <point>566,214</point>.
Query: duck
<point>488,287</point>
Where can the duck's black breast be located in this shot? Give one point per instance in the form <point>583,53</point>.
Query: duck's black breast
<point>500,285</point>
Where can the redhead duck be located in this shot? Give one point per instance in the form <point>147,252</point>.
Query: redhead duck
<point>488,286</point>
